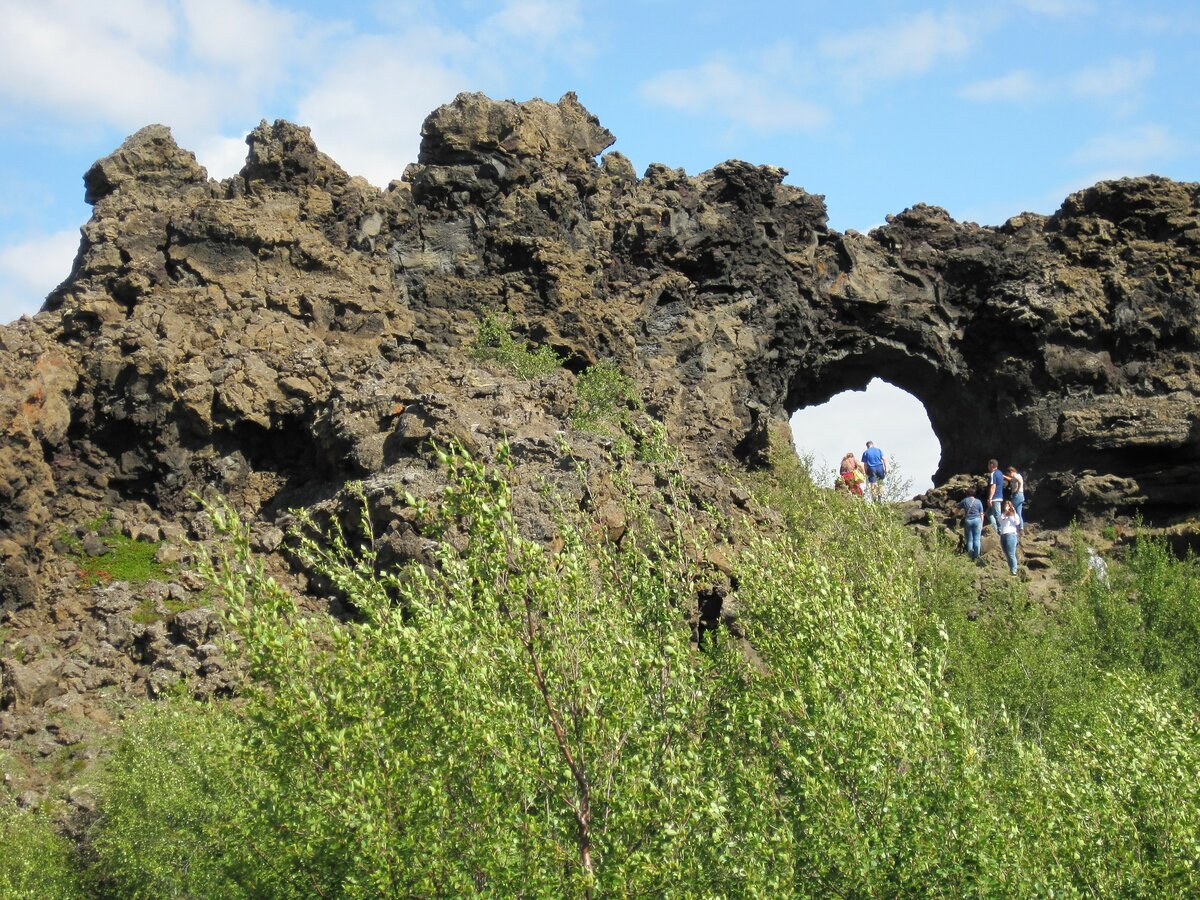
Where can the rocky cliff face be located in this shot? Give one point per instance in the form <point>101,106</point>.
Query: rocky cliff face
<point>273,334</point>
<point>268,323</point>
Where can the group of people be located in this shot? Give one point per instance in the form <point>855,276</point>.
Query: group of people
<point>870,470</point>
<point>1004,513</point>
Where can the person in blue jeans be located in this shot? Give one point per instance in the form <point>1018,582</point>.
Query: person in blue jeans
<point>972,523</point>
<point>1015,485</point>
<point>876,465</point>
<point>995,498</point>
<point>1010,528</point>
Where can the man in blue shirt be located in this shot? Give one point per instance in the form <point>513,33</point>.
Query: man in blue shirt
<point>995,493</point>
<point>876,466</point>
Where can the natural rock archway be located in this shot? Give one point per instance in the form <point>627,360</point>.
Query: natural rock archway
<point>269,336</point>
<point>1065,343</point>
<point>294,325</point>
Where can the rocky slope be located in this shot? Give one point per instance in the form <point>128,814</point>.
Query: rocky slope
<point>269,336</point>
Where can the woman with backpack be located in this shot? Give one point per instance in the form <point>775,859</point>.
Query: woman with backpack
<point>851,474</point>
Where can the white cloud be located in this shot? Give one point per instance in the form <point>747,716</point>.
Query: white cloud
<point>80,65</point>
<point>1140,146</point>
<point>221,156</point>
<point>126,63</point>
<point>536,21</point>
<point>253,40</point>
<point>147,25</point>
<point>896,51</point>
<point>1116,78</point>
<point>743,98</point>
<point>29,270</point>
<point>367,111</point>
<point>1017,86</point>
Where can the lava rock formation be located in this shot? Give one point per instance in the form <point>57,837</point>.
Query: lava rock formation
<point>273,334</point>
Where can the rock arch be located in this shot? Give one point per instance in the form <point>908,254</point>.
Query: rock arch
<point>292,294</point>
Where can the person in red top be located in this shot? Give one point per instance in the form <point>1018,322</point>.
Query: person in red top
<point>851,474</point>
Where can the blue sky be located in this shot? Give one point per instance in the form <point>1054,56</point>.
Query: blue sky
<point>987,109</point>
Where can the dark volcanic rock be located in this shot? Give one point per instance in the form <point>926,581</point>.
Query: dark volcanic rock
<point>269,323</point>
<point>269,336</point>
<point>273,322</point>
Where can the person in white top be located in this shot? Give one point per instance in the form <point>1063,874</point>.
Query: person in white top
<point>1010,527</point>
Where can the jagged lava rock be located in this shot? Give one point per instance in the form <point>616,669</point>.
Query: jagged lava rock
<point>273,334</point>
<point>269,336</point>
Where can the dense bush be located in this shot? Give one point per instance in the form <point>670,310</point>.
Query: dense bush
<point>36,863</point>
<point>173,823</point>
<point>1145,615</point>
<point>520,722</point>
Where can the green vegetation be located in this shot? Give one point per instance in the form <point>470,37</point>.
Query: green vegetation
<point>495,342</point>
<point>1146,618</point>
<point>608,403</point>
<point>125,560</point>
<point>148,610</point>
<point>897,487</point>
<point>606,397</point>
<point>171,814</point>
<point>514,721</point>
<point>35,862</point>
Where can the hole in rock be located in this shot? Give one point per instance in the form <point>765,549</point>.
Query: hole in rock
<point>893,418</point>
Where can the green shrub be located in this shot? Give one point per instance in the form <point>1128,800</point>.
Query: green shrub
<point>1167,593</point>
<point>519,721</point>
<point>1144,616</point>
<point>605,397</point>
<point>514,721</point>
<point>1111,810</point>
<point>495,342</point>
<point>35,861</point>
<point>172,822</point>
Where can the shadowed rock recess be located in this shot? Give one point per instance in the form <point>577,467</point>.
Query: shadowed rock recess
<point>273,334</point>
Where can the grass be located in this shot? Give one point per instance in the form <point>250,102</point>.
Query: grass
<point>147,611</point>
<point>126,559</point>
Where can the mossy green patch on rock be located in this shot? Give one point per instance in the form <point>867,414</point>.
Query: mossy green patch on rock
<point>496,342</point>
<point>124,559</point>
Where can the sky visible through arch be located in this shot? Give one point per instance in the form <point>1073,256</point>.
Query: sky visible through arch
<point>893,418</point>
<point>986,109</point>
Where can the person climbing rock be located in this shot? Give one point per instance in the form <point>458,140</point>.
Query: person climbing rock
<point>852,474</point>
<point>995,497</point>
<point>876,466</point>
<point>972,524</point>
<point>1014,483</point>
